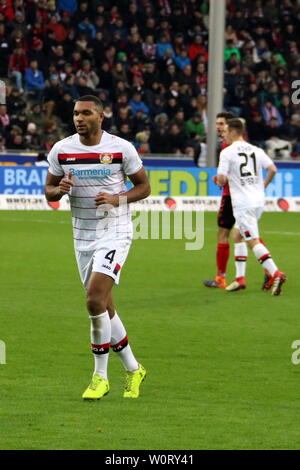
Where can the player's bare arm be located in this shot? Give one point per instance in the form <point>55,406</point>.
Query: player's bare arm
<point>141,190</point>
<point>272,169</point>
<point>56,186</point>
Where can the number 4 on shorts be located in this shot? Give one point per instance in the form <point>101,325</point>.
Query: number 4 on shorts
<point>110,255</point>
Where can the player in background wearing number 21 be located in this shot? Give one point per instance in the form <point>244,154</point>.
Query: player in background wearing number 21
<point>241,165</point>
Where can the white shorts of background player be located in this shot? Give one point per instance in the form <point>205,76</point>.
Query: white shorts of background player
<point>247,222</point>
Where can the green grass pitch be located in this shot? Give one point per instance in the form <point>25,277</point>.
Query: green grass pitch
<point>219,365</point>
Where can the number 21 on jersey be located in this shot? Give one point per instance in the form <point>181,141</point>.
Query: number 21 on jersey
<point>243,170</point>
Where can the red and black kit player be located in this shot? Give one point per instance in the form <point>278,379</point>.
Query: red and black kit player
<point>226,223</point>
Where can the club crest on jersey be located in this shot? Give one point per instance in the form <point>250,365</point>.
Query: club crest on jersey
<point>106,157</point>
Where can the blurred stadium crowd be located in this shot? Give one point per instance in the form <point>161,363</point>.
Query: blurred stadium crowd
<point>147,61</point>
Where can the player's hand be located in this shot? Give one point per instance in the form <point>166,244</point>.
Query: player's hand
<point>65,184</point>
<point>215,180</point>
<point>105,198</point>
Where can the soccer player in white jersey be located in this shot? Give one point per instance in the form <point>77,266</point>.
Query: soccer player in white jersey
<point>91,167</point>
<point>241,165</point>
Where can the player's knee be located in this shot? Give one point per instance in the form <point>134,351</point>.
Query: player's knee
<point>223,235</point>
<point>236,236</point>
<point>95,304</point>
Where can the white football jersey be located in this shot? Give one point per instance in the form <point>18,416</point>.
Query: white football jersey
<point>243,164</point>
<point>95,169</point>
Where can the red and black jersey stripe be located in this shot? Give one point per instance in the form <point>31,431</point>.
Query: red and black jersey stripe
<point>88,158</point>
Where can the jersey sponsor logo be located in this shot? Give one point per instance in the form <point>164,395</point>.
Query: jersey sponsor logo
<point>106,157</point>
<point>71,159</point>
<point>90,173</point>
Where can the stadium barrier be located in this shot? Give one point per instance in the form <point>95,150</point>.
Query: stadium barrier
<point>165,181</point>
<point>152,203</point>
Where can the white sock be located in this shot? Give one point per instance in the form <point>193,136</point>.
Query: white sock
<point>263,256</point>
<point>241,255</point>
<point>100,342</point>
<point>119,344</point>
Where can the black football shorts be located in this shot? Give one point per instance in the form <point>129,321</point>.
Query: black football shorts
<point>225,214</point>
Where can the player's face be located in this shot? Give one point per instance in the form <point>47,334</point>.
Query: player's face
<point>227,135</point>
<point>220,126</point>
<point>87,118</point>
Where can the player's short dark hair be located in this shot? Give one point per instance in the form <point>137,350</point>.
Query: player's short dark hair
<point>237,125</point>
<point>92,98</point>
<point>226,115</point>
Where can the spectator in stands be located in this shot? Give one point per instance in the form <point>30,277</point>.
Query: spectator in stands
<point>159,140</point>
<point>15,101</point>
<point>58,29</point>
<point>231,49</point>
<point>34,80</point>
<point>52,95</point>
<point>18,142</point>
<point>269,111</point>
<point>37,115</point>
<point>177,140</point>
<point>197,49</point>
<point>87,27</point>
<point>37,53</point>
<point>232,100</point>
<point>21,121</point>
<point>137,104</point>
<point>179,119</point>
<point>67,5</point>
<point>285,109</point>
<point>178,43</point>
<point>257,130</point>
<point>162,46</point>
<point>6,8</point>
<point>17,65</point>
<point>182,59</point>
<point>149,47</point>
<point>92,79</point>
<point>195,127</point>
<point>125,132</point>
<point>32,137</point>
<point>64,110</point>
<point>119,74</point>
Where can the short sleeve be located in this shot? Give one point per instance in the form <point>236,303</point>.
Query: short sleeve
<point>132,163</point>
<point>266,160</point>
<point>223,168</point>
<point>54,167</point>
